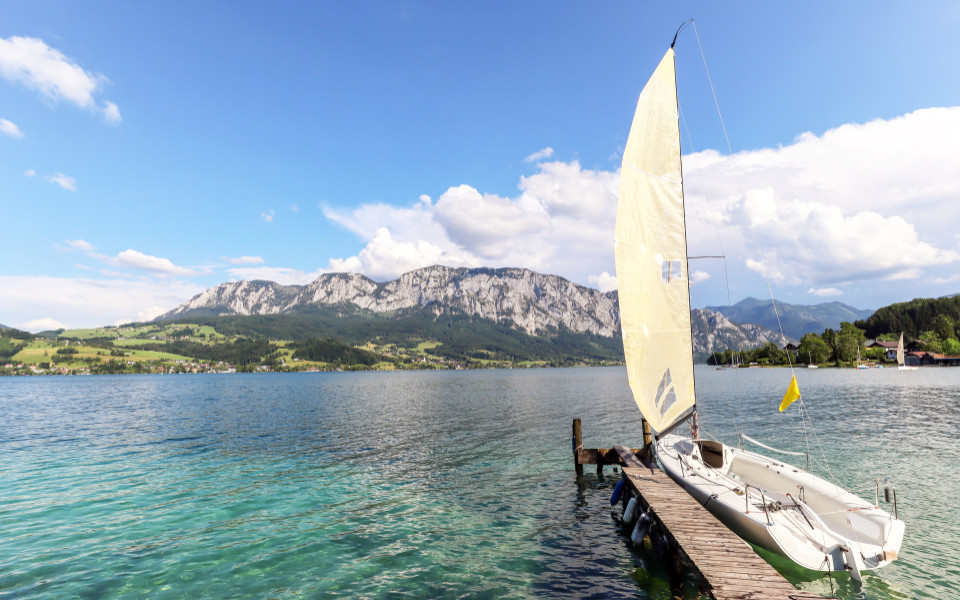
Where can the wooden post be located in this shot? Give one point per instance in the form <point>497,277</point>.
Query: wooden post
<point>577,444</point>
<point>646,453</point>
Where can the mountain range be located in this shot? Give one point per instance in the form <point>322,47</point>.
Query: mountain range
<point>796,319</point>
<point>530,303</point>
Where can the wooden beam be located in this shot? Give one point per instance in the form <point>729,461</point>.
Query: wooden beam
<point>601,456</point>
<point>628,457</point>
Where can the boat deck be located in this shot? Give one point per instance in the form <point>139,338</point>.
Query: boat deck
<point>732,570</point>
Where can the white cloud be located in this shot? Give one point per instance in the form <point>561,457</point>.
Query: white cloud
<point>133,259</point>
<point>386,258</point>
<point>111,114</point>
<point>281,275</point>
<point>148,314</point>
<point>267,216</point>
<point>871,202</point>
<point>605,282</point>
<point>698,276</point>
<point>540,154</point>
<point>825,291</point>
<point>542,228</point>
<point>82,245</point>
<point>64,181</point>
<point>76,303</point>
<point>244,260</point>
<point>29,173</point>
<point>30,62</point>
<point>295,208</point>
<point>487,224</point>
<point>44,324</point>
<point>10,129</point>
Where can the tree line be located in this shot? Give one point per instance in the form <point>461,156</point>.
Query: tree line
<point>940,333</point>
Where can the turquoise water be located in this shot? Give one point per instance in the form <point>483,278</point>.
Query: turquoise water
<point>415,484</point>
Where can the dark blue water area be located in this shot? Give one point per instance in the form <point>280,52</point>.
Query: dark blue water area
<point>413,484</point>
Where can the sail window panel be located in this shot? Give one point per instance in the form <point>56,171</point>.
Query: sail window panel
<point>671,271</point>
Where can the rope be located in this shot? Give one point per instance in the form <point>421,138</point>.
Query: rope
<point>762,445</point>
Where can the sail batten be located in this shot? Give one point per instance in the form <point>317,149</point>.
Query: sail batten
<point>651,254</point>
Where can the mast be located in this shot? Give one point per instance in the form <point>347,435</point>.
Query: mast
<point>695,424</point>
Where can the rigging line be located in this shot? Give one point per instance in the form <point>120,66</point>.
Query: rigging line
<point>730,150</point>
<point>804,417</point>
<point>738,415</point>
<point>723,253</point>
<point>712,91</point>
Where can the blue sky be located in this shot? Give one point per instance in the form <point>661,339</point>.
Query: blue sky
<point>149,151</point>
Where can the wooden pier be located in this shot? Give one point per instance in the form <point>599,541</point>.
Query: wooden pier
<point>730,567</point>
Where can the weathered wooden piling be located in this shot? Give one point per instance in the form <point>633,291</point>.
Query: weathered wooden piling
<point>730,567</point>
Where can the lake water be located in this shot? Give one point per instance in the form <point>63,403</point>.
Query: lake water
<point>418,484</point>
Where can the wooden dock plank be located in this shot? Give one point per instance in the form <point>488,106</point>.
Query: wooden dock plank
<point>628,458</point>
<point>729,565</point>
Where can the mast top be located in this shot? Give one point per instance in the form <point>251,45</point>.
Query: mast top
<point>679,29</point>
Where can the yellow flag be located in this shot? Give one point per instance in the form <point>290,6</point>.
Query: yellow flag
<point>793,394</point>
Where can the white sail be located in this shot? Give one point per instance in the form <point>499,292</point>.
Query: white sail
<point>900,357</point>
<point>651,254</point>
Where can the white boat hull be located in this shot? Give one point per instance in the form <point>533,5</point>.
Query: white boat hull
<point>808,520</point>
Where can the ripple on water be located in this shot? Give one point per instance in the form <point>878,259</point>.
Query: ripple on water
<point>410,484</point>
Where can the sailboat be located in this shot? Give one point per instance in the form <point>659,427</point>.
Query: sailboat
<point>772,504</point>
<point>901,362</point>
<point>860,365</point>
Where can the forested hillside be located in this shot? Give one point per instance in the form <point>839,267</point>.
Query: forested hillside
<point>915,317</point>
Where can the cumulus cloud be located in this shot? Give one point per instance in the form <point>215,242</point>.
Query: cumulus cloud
<point>35,65</point>
<point>267,216</point>
<point>488,224</point>
<point>825,291</point>
<point>540,154</point>
<point>147,314</point>
<point>698,276</point>
<point>82,245</point>
<point>604,282</point>
<point>281,275</point>
<point>10,129</point>
<point>74,302</point>
<point>541,228</point>
<point>244,260</point>
<point>862,202</point>
<point>64,181</point>
<point>111,114</point>
<point>43,324</point>
<point>387,258</point>
<point>29,173</point>
<point>138,260</point>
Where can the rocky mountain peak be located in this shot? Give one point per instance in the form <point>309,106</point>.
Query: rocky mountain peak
<point>534,303</point>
